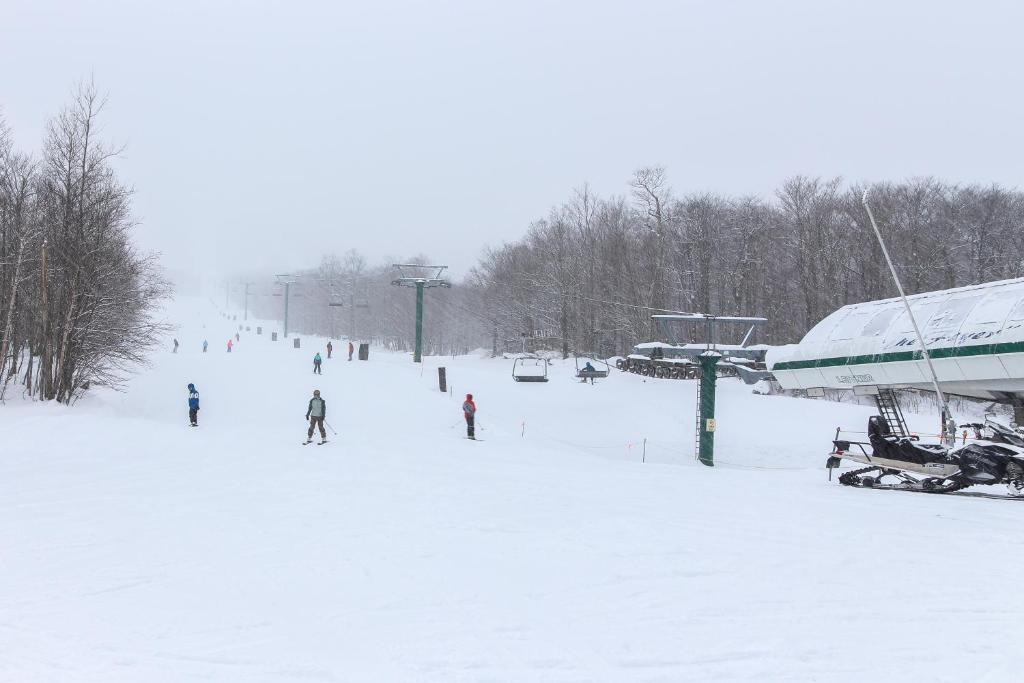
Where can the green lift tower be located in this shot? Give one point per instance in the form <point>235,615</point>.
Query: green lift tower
<point>421,277</point>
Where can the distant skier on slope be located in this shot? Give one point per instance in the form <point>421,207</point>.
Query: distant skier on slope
<point>469,411</point>
<point>329,349</point>
<point>238,337</point>
<point>317,360</point>
<point>316,413</point>
<point>175,350</point>
<point>230,344</point>
<point>350,350</point>
<point>193,405</point>
<point>205,344</point>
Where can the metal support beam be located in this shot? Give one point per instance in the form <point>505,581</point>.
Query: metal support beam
<point>948,429</point>
<point>420,283</point>
<point>706,408</point>
<point>287,290</point>
<point>417,356</point>
<point>287,281</point>
<point>352,314</point>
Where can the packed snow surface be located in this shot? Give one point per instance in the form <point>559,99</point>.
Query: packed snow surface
<point>135,548</point>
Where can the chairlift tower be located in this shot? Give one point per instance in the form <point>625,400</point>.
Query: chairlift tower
<point>247,295</point>
<point>704,435</point>
<point>286,280</point>
<point>354,303</point>
<point>420,283</point>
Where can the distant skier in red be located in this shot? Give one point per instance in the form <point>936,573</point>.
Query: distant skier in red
<point>350,350</point>
<point>469,410</point>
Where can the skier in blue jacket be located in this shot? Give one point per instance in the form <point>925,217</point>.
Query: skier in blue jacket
<point>193,405</point>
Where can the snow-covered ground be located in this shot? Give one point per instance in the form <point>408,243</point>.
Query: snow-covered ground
<point>134,548</point>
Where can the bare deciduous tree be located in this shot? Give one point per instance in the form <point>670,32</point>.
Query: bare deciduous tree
<point>75,296</point>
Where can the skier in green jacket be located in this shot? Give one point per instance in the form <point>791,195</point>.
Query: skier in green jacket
<point>316,413</point>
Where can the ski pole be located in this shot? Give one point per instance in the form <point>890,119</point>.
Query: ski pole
<point>330,427</point>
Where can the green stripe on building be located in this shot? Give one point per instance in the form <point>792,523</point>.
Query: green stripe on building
<point>896,356</point>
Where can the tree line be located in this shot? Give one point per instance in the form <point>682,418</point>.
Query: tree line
<point>595,269</point>
<point>76,297</point>
<point>588,277</point>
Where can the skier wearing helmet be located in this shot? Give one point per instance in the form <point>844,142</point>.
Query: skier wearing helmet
<point>315,413</point>
<point>469,411</point>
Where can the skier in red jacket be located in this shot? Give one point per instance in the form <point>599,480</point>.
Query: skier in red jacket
<point>350,350</point>
<point>469,410</point>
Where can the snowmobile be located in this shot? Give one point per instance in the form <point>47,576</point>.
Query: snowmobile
<point>903,463</point>
<point>992,430</point>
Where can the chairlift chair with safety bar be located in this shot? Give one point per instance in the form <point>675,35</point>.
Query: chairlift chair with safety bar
<point>530,369</point>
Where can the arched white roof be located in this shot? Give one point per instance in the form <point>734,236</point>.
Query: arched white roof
<point>985,320</point>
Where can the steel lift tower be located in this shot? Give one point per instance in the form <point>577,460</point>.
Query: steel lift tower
<point>427,281</point>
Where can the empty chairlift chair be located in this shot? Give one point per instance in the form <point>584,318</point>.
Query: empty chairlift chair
<point>530,369</point>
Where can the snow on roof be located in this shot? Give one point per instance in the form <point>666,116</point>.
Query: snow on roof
<point>680,361</point>
<point>704,316</point>
<point>996,284</point>
<point>702,347</point>
<point>982,318</point>
<point>654,345</point>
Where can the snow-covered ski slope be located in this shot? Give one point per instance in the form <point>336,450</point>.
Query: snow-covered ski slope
<point>134,548</point>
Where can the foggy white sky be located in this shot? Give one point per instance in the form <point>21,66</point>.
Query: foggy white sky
<point>263,134</point>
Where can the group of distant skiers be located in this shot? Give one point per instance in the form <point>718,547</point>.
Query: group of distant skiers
<point>316,410</point>
<point>316,359</point>
<point>206,344</point>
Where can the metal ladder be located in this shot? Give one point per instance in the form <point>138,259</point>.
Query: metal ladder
<point>889,408</point>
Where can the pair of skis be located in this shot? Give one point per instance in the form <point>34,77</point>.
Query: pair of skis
<point>309,441</point>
